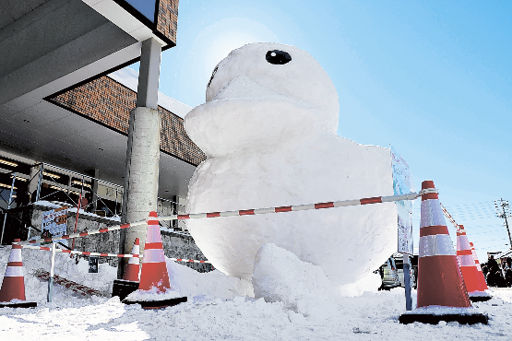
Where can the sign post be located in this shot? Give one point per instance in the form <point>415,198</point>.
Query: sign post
<point>402,185</point>
<point>52,272</point>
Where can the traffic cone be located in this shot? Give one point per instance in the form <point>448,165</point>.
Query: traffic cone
<point>481,279</point>
<point>477,263</point>
<point>132,269</point>
<point>472,277</point>
<point>12,293</point>
<point>154,272</point>
<point>442,295</point>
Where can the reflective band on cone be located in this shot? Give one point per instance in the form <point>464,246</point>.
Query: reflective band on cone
<point>154,270</point>
<point>132,269</point>
<point>439,280</point>
<point>13,285</point>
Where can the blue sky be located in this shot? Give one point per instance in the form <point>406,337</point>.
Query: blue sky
<point>433,79</point>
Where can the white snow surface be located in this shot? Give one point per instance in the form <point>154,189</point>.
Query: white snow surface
<point>217,309</point>
<point>279,276</point>
<point>269,132</point>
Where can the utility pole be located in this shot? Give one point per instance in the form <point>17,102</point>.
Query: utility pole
<point>502,209</point>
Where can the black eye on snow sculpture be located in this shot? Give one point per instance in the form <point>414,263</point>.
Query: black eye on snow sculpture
<point>278,57</point>
<point>213,75</point>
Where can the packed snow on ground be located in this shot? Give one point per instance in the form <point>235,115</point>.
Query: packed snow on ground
<point>220,307</point>
<point>269,131</point>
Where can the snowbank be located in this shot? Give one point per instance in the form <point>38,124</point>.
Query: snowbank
<point>279,276</point>
<point>372,316</point>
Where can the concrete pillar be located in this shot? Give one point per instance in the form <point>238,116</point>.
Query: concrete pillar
<point>33,182</point>
<point>34,178</point>
<point>180,208</point>
<point>143,151</point>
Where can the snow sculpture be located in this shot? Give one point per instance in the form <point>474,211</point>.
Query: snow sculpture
<point>268,128</point>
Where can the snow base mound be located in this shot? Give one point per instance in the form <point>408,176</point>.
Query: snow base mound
<point>280,276</point>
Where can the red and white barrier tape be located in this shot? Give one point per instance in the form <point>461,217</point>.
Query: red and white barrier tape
<point>294,208</point>
<point>190,260</point>
<point>246,212</point>
<point>449,216</point>
<point>101,254</point>
<point>83,253</point>
<point>84,234</point>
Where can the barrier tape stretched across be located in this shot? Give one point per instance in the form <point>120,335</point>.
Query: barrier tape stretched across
<point>449,216</point>
<point>83,253</point>
<point>246,212</point>
<point>294,208</point>
<point>84,233</point>
<point>102,254</point>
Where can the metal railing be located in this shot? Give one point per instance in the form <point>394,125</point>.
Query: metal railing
<point>67,187</point>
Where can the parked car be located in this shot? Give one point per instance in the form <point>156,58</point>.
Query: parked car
<point>389,275</point>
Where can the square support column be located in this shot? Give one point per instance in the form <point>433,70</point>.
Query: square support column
<point>143,151</point>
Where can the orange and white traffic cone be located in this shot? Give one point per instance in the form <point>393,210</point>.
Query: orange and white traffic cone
<point>12,293</point>
<point>154,270</point>
<point>132,269</point>
<point>442,294</point>
<point>481,279</point>
<point>472,277</point>
<point>154,276</point>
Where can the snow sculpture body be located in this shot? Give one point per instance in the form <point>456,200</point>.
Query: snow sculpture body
<point>268,128</point>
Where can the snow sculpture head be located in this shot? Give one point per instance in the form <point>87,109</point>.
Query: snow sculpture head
<point>261,93</point>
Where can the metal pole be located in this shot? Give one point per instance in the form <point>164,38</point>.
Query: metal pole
<point>52,271</point>
<point>115,203</point>
<point>407,281</point>
<point>8,207</point>
<point>503,204</point>
<point>39,182</point>
<point>77,213</point>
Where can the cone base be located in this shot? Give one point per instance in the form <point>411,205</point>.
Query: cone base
<point>122,288</point>
<point>158,304</point>
<point>479,298</point>
<point>18,304</point>
<point>436,318</point>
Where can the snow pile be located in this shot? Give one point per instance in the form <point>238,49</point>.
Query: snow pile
<point>269,131</point>
<point>213,284</point>
<point>372,316</point>
<point>279,276</point>
<point>36,289</point>
<point>44,203</point>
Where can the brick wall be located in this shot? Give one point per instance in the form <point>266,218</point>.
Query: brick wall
<point>167,19</point>
<point>108,102</point>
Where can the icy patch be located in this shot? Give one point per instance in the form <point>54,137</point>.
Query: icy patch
<point>279,276</point>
